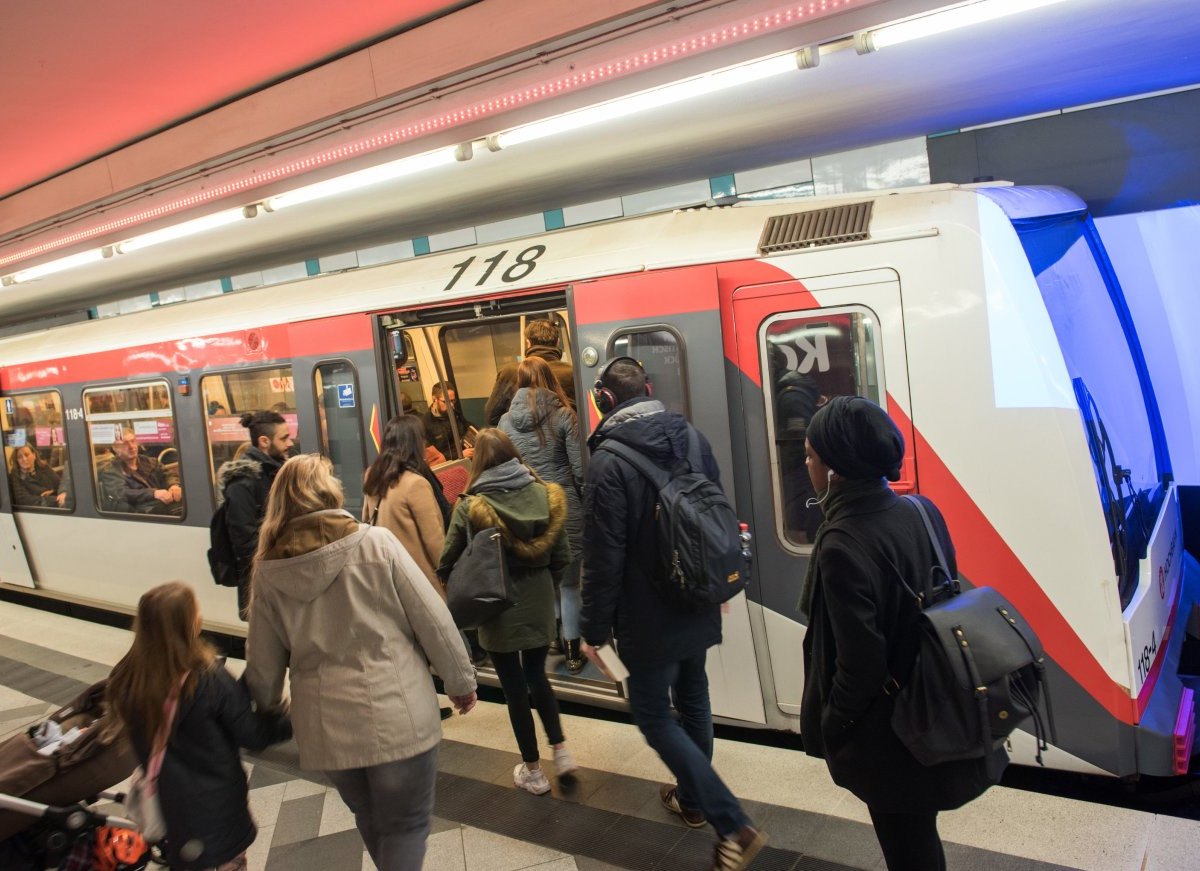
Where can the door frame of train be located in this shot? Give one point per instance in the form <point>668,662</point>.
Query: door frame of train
<point>684,301</point>
<point>14,559</point>
<point>780,564</point>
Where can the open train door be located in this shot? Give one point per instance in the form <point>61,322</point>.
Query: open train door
<point>797,344</point>
<point>670,321</point>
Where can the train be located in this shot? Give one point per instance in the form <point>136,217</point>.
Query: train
<point>986,319</point>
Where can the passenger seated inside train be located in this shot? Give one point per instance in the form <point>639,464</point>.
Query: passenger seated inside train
<point>438,428</point>
<point>32,479</point>
<point>133,483</point>
<point>433,457</point>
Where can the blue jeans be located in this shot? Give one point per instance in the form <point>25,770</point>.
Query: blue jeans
<point>685,744</point>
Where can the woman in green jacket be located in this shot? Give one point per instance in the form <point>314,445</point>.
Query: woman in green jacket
<point>531,516</point>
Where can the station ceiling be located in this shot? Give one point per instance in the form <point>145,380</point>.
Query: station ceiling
<point>81,95</point>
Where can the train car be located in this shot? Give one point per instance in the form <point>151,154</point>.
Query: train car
<point>985,320</point>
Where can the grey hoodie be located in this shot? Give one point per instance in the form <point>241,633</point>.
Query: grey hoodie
<point>348,611</point>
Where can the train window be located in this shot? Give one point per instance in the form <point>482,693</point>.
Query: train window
<point>660,351</point>
<point>808,359</point>
<point>229,395</point>
<point>35,450</point>
<point>409,377</point>
<point>336,384</point>
<point>474,354</point>
<point>134,449</point>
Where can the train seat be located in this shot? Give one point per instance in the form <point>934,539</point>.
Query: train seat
<point>454,476</point>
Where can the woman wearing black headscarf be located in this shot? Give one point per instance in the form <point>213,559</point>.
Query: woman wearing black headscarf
<point>862,633</point>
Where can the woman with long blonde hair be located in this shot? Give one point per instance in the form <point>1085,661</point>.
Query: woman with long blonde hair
<point>173,695</point>
<point>545,430</point>
<point>344,606</point>
<point>531,516</point>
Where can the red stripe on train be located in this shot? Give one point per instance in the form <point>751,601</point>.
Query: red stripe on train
<point>985,558</point>
<point>657,294</point>
<point>267,344</point>
<point>755,286</point>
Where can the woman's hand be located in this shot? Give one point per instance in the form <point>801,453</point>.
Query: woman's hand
<point>464,704</point>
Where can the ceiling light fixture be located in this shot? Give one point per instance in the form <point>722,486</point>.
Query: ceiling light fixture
<point>942,21</point>
<point>181,231</point>
<point>646,100</point>
<point>363,178</point>
<point>62,264</point>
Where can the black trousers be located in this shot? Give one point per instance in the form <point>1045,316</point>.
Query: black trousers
<point>909,842</point>
<point>522,675</point>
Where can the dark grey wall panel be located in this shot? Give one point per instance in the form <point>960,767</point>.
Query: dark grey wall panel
<point>1128,157</point>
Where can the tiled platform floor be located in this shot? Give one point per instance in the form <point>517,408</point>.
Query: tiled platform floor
<point>610,817</point>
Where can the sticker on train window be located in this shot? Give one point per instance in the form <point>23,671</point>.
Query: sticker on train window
<point>511,268</point>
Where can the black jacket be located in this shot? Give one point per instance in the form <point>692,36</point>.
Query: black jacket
<point>202,787</point>
<point>439,434</point>
<point>28,489</point>
<point>620,546</point>
<point>861,631</point>
<point>245,484</point>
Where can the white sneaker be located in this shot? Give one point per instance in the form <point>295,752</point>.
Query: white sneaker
<point>531,781</point>
<point>564,764</point>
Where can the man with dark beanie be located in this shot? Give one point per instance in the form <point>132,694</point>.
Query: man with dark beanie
<point>244,483</point>
<point>664,648</point>
<point>862,633</point>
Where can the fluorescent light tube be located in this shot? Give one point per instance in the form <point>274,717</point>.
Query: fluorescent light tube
<point>647,100</point>
<point>363,178</point>
<point>61,265</point>
<point>948,19</point>
<point>180,231</point>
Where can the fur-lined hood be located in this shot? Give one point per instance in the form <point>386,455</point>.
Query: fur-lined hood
<point>530,519</point>
<point>250,465</point>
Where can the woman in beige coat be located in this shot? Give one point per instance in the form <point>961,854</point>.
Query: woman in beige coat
<point>347,609</point>
<point>401,500</point>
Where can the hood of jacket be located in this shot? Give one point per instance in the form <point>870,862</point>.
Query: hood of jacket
<point>545,352</point>
<point>310,553</point>
<point>646,425</point>
<point>521,411</point>
<point>529,519</point>
<point>252,464</point>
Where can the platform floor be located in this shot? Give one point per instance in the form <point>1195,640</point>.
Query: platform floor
<point>611,818</point>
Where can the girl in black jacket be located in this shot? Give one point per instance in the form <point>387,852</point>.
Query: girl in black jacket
<point>862,633</point>
<point>201,787</point>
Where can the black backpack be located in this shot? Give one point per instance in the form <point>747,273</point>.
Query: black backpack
<point>979,673</point>
<point>704,560</point>
<point>221,561</point>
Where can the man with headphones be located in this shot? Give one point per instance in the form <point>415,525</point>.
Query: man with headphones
<point>663,646</point>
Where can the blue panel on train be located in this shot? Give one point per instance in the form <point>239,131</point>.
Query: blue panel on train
<point>345,395</point>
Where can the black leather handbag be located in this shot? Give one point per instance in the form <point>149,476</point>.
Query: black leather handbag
<point>479,586</point>
<point>979,674</point>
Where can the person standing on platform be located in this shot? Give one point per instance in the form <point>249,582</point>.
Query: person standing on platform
<point>664,647</point>
<point>343,607</point>
<point>244,483</point>
<point>862,630</point>
<point>543,426</point>
<point>186,716</point>
<point>542,340</point>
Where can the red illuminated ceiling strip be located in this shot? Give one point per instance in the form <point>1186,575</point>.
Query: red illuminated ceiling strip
<point>787,16</point>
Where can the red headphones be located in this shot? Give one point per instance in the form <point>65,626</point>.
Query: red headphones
<point>604,398</point>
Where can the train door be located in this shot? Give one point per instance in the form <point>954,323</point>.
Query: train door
<point>14,563</point>
<point>464,347</point>
<point>799,343</point>
<point>670,322</point>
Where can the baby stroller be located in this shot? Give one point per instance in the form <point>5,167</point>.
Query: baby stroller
<point>44,817</point>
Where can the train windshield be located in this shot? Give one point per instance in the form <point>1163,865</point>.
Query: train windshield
<point>1112,386</point>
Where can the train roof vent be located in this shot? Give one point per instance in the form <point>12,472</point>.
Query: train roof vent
<point>832,226</point>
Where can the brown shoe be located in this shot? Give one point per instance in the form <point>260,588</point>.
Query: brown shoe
<point>735,854</point>
<point>669,795</point>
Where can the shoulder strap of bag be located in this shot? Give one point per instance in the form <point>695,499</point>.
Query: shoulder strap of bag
<point>170,708</point>
<point>658,477</point>
<point>934,540</point>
